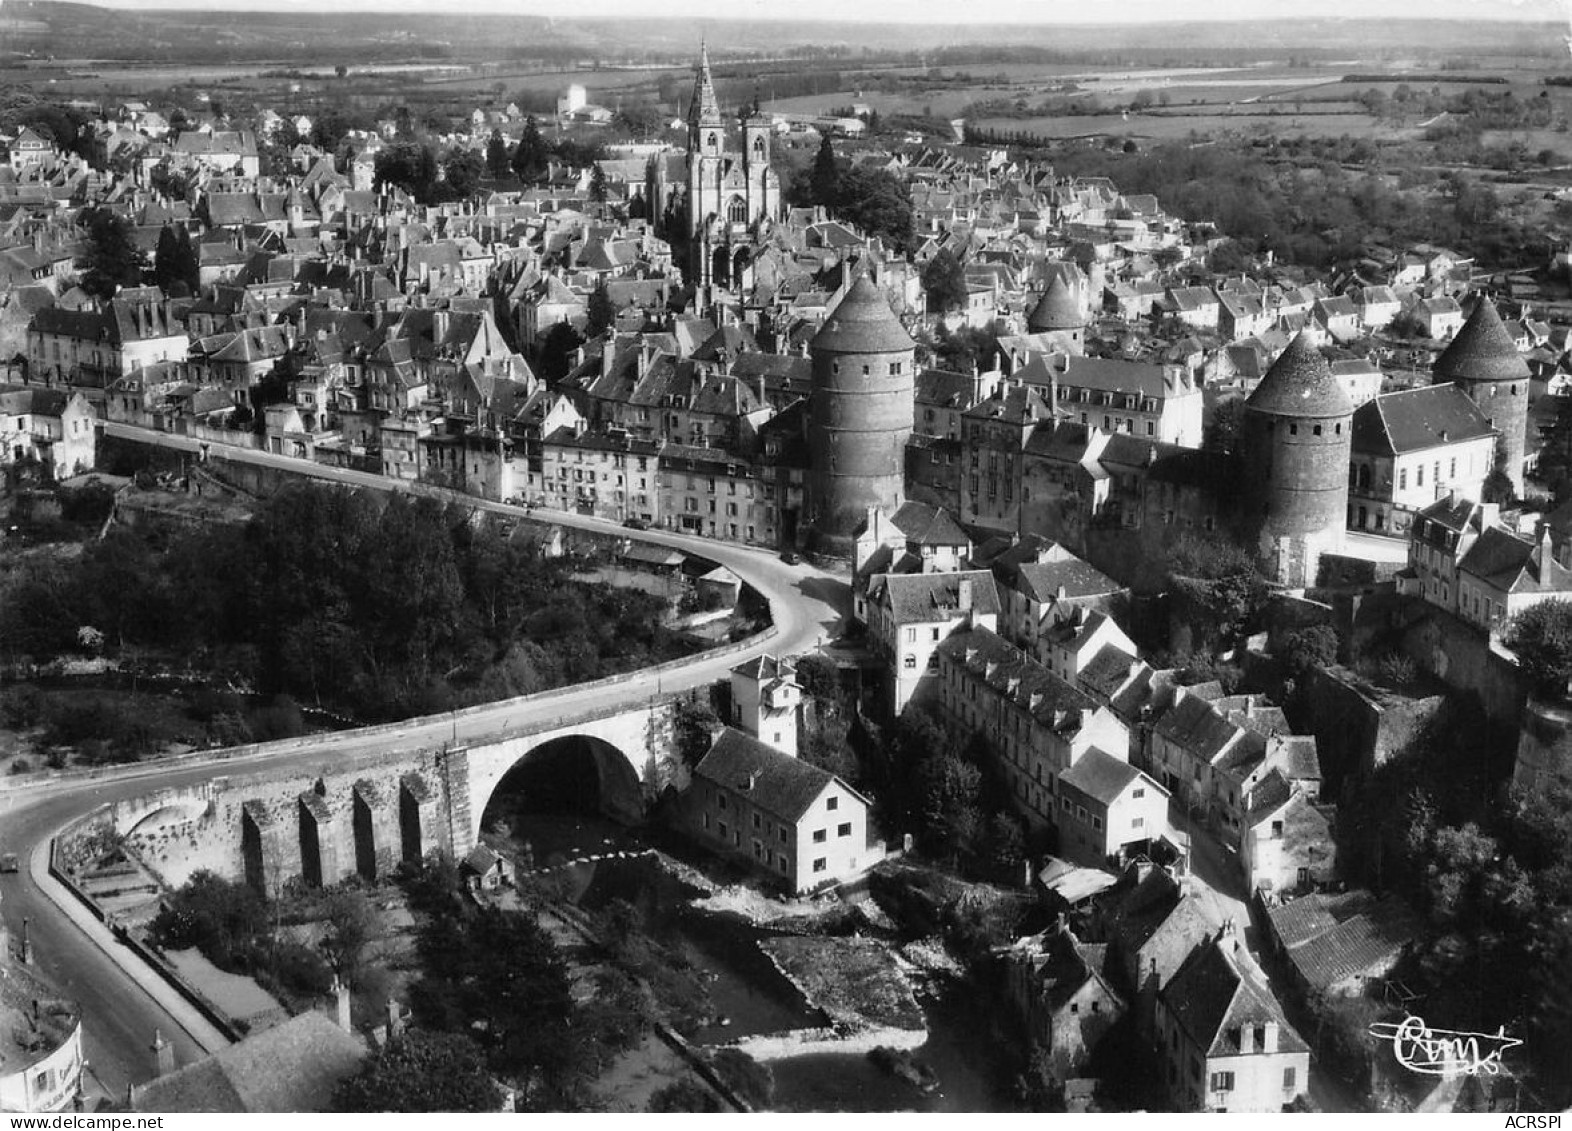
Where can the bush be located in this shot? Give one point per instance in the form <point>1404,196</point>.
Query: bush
<point>23,707</point>
<point>279,718</point>
<point>20,766</point>
<point>300,969</point>
<point>746,1077</point>
<point>685,1095</point>
<point>1396,669</point>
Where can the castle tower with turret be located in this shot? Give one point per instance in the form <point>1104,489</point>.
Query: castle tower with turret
<point>1059,313</point>
<point>1483,362</point>
<point>860,415</point>
<point>1296,440</point>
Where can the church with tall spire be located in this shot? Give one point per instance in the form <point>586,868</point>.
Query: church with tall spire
<point>731,193</point>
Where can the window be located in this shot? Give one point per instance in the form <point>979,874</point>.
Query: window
<point>843,830</point>
<point>1138,792</point>
<point>911,636</point>
<point>911,663</point>
<point>721,801</point>
<point>935,633</point>
<point>781,832</point>
<point>832,803</point>
<point>1290,1078</point>
<point>1097,822</point>
<point>820,864</point>
<point>1222,1081</point>
<point>819,835</point>
<point>781,860</point>
<point>723,830</point>
<point>757,822</point>
<point>1137,822</point>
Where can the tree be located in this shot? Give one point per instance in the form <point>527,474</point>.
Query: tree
<point>113,259</point>
<point>944,282</point>
<point>879,203</point>
<point>352,923</point>
<point>497,162</point>
<point>1307,649</point>
<point>462,170</point>
<point>597,185</point>
<point>824,182</point>
<point>176,269</point>
<point>600,312</point>
<point>685,1095</point>
<point>1222,430</point>
<point>1215,587</point>
<point>341,70</point>
<point>419,1072</point>
<point>219,917</point>
<point>530,156</point>
<point>409,165</point>
<point>1541,635</point>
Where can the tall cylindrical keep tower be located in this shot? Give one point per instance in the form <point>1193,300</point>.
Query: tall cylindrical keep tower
<point>1483,362</point>
<point>1296,440</point>
<point>860,415</point>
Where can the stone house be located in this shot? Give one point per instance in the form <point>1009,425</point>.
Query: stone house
<point>1222,1038</point>
<point>800,826</point>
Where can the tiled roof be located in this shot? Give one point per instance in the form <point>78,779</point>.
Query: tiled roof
<point>1482,350</point>
<point>291,1067</point>
<point>1330,938</point>
<point>1101,776</point>
<point>863,322</point>
<point>1057,310</point>
<point>1072,577</point>
<point>1017,676</point>
<point>1300,383</point>
<point>1218,1001</point>
<point>782,786</point>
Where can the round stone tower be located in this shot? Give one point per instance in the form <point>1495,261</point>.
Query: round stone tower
<point>1295,441</point>
<point>1059,313</point>
<point>859,415</point>
<point>1483,362</point>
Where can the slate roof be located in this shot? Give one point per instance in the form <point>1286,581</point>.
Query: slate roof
<point>1415,419</point>
<point>1481,351</point>
<point>1513,565</point>
<point>290,1067</point>
<point>863,322</point>
<point>1018,677</point>
<point>1218,1003</point>
<point>1043,581</point>
<point>1300,383</point>
<point>924,597</point>
<point>1101,776</point>
<point>1056,310</point>
<point>929,526</point>
<point>785,787</point>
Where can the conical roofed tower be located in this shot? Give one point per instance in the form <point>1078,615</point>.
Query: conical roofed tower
<point>860,415</point>
<point>1483,362</point>
<point>1296,443</point>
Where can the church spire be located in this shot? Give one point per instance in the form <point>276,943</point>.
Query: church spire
<point>704,109</point>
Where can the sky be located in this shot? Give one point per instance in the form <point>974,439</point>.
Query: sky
<point>935,11</point>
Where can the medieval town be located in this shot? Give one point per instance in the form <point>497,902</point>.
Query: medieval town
<point>691,572</point>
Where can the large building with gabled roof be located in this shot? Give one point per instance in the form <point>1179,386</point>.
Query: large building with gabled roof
<point>800,825</point>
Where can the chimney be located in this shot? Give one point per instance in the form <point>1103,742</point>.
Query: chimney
<point>341,1001</point>
<point>395,1019</point>
<point>163,1054</point>
<point>1269,1037</point>
<point>964,594</point>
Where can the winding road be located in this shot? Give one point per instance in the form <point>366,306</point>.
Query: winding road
<point>121,1003</point>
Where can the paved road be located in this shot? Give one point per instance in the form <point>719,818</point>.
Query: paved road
<point>807,605</point>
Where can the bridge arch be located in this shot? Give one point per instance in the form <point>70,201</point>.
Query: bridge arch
<point>565,774</point>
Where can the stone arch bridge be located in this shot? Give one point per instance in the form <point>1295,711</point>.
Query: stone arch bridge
<point>365,814</point>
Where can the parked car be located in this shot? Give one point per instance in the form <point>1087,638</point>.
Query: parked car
<point>635,524</point>
<point>790,557</point>
<point>9,863</point>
